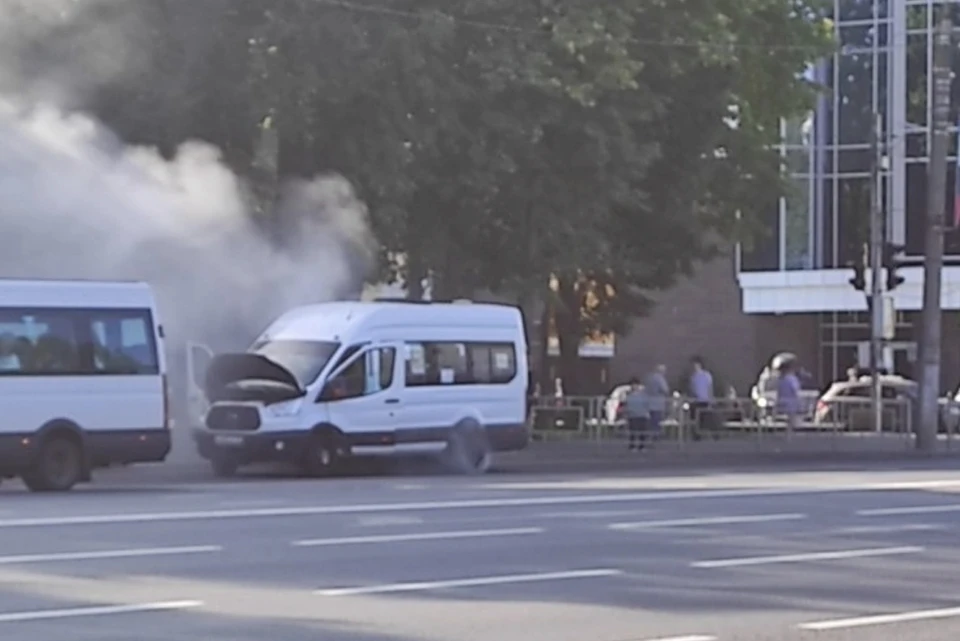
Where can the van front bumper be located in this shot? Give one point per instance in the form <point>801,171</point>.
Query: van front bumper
<point>250,447</point>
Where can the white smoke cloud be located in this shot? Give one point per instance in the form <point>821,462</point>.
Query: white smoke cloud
<point>75,202</point>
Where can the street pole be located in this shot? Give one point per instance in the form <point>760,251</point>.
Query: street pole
<point>933,263</point>
<point>875,300</point>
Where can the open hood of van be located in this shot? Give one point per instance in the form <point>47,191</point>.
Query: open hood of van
<point>225,369</point>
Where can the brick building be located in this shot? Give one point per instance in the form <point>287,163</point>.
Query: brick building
<point>792,291</point>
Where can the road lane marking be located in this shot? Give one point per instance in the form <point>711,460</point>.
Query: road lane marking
<point>881,619</point>
<point>710,520</point>
<point>689,637</point>
<point>421,536</point>
<point>381,521</point>
<point>812,556</point>
<point>106,610</point>
<point>463,504</point>
<point>890,529</point>
<point>108,554</point>
<point>897,511</point>
<point>423,586</point>
<point>592,514</point>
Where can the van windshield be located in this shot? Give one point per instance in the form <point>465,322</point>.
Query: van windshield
<point>304,359</point>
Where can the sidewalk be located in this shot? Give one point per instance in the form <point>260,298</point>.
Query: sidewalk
<point>586,457</point>
<point>811,449</point>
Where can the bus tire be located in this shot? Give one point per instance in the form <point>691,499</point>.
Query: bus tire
<point>59,464</point>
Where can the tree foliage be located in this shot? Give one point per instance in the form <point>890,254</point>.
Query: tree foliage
<point>604,147</point>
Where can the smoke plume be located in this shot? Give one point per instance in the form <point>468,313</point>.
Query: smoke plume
<point>76,202</point>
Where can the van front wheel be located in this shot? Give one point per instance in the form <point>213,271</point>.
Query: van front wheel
<point>321,456</point>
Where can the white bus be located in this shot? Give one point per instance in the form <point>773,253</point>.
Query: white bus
<point>82,380</point>
<point>327,381</point>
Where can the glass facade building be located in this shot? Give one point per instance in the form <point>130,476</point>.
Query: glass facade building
<point>881,67</point>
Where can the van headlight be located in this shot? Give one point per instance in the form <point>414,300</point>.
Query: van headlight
<point>285,409</point>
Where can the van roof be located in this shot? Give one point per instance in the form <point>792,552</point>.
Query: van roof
<point>74,293</point>
<point>329,321</point>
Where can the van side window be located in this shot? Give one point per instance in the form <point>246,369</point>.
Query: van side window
<point>39,342</point>
<point>437,363</point>
<point>122,342</point>
<point>369,374</point>
<point>388,357</point>
<point>460,363</point>
<point>493,362</point>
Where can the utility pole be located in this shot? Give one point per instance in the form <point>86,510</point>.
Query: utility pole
<point>933,263</point>
<point>875,298</point>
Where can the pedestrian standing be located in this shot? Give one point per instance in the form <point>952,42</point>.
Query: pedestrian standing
<point>658,397</point>
<point>701,391</point>
<point>637,412</point>
<point>788,396</point>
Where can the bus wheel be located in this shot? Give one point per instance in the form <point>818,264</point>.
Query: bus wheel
<point>59,466</point>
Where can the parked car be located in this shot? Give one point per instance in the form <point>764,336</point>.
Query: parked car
<point>847,403</point>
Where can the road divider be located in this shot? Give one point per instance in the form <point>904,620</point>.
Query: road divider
<point>881,619</point>
<point>96,611</point>
<point>419,536</point>
<point>708,520</point>
<point>473,582</point>
<point>837,555</point>
<point>107,554</point>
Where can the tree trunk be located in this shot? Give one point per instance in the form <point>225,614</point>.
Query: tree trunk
<point>569,333</point>
<point>415,273</point>
<point>543,374</point>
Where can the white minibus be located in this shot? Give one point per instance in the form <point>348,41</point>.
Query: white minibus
<point>328,381</point>
<point>82,380</point>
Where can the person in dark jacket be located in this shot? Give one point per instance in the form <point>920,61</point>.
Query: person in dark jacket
<point>636,409</point>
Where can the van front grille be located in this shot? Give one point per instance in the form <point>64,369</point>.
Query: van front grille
<point>237,418</point>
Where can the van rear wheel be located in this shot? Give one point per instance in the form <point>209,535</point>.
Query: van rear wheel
<point>59,466</point>
<point>468,450</point>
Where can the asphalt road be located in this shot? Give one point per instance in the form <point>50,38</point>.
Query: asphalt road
<point>863,555</point>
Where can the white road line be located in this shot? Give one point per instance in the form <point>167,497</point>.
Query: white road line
<point>592,514</point>
<point>710,520</point>
<point>108,554</point>
<point>812,556</point>
<point>106,610</point>
<point>882,619</point>
<point>381,521</point>
<point>424,586</point>
<point>890,529</point>
<point>896,511</point>
<point>464,504</point>
<point>689,637</point>
<point>421,536</point>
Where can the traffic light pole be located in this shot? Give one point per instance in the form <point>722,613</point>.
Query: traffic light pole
<point>933,263</point>
<point>875,300</point>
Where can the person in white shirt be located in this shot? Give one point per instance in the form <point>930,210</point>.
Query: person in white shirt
<point>9,361</point>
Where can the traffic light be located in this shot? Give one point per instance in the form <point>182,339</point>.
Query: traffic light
<point>891,263</point>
